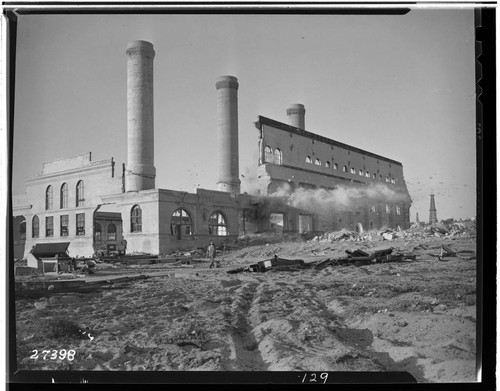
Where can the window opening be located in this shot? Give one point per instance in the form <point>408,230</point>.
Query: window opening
<point>181,223</point>
<point>64,225</point>
<point>80,224</point>
<point>111,232</point>
<point>35,227</point>
<point>49,198</point>
<point>136,219</point>
<point>80,194</point>
<point>217,224</point>
<point>49,226</point>
<point>64,196</point>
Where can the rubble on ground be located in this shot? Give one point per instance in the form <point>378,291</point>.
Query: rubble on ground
<point>455,230</point>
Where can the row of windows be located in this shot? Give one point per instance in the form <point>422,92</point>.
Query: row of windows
<point>366,174</point>
<point>49,226</point>
<point>276,157</point>
<point>181,223</point>
<point>111,232</point>
<point>63,196</point>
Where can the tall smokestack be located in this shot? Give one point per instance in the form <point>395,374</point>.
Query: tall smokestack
<point>432,211</point>
<point>296,115</point>
<point>227,134</point>
<point>140,173</point>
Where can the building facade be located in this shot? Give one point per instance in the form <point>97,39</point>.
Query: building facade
<point>94,206</point>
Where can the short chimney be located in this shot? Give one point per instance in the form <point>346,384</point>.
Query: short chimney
<point>296,115</point>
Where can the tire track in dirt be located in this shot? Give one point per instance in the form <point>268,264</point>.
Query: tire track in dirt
<point>244,352</point>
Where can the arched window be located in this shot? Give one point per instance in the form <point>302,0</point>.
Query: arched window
<point>49,198</point>
<point>308,159</point>
<point>367,174</point>
<point>327,164</point>
<point>268,154</point>
<point>278,157</point>
<point>360,172</point>
<point>64,196</point>
<point>380,177</point>
<point>97,232</point>
<point>181,223</point>
<point>136,219</point>
<point>393,180</point>
<point>111,232</point>
<point>35,227</point>
<point>317,162</point>
<point>387,179</point>
<point>344,169</point>
<point>374,176</point>
<point>22,230</point>
<point>353,171</point>
<point>80,194</point>
<point>217,224</point>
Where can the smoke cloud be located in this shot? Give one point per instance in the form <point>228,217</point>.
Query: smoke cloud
<point>340,198</point>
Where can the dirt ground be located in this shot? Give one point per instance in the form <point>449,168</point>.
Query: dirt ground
<point>416,316</point>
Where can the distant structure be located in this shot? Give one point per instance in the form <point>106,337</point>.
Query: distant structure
<point>97,205</point>
<point>291,158</point>
<point>417,219</point>
<point>432,211</point>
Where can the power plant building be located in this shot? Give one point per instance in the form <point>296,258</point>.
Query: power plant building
<point>94,204</point>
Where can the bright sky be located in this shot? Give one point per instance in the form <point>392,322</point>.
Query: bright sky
<point>399,86</point>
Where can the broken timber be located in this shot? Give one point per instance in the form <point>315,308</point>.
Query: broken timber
<point>356,258</point>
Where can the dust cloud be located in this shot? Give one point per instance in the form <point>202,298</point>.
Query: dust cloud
<point>342,197</point>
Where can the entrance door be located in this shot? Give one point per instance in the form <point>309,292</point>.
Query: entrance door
<point>305,223</point>
<point>277,222</point>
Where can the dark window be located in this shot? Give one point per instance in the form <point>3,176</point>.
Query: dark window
<point>64,225</point>
<point>22,230</point>
<point>181,223</point>
<point>49,226</point>
<point>136,219</point>
<point>97,232</point>
<point>278,157</point>
<point>111,232</point>
<point>217,224</point>
<point>49,198</point>
<point>344,168</point>
<point>327,164</point>
<point>80,224</point>
<point>64,195</point>
<point>35,227</point>
<point>80,194</point>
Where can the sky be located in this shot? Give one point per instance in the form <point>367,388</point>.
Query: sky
<point>399,86</point>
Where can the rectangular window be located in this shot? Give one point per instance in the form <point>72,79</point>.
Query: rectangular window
<point>49,226</point>
<point>387,209</point>
<point>64,225</point>
<point>398,210</point>
<point>80,224</point>
<point>372,208</point>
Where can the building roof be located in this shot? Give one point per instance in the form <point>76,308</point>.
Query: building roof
<point>292,129</point>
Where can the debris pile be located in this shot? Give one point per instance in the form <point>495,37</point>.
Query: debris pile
<point>359,258</point>
<point>455,230</point>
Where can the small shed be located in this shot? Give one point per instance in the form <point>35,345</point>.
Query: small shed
<point>45,257</point>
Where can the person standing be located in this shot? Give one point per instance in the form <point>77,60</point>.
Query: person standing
<point>211,255</point>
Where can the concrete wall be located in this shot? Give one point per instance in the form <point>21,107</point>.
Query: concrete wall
<point>157,207</point>
<point>294,172</point>
<point>98,178</point>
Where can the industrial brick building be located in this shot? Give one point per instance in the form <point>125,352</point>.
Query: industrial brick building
<point>92,204</point>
